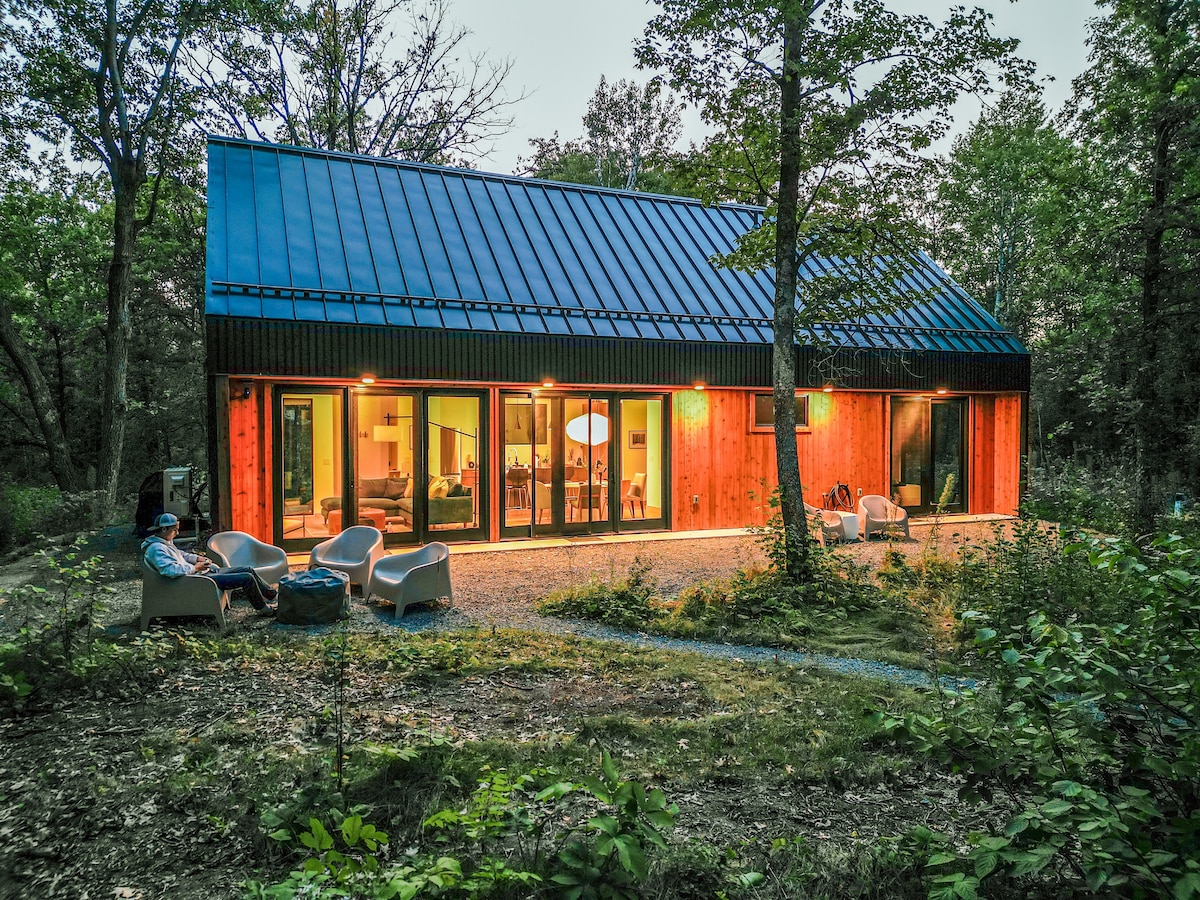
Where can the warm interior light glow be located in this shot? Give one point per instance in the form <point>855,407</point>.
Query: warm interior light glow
<point>590,429</point>
<point>387,434</point>
<point>368,379</point>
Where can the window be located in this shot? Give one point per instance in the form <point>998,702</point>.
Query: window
<point>762,412</point>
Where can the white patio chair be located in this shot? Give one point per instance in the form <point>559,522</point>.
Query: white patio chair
<point>831,528</point>
<point>236,548</point>
<point>423,574</point>
<point>354,551</point>
<point>185,595</point>
<point>877,513</point>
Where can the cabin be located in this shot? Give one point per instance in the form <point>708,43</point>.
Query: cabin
<point>459,356</point>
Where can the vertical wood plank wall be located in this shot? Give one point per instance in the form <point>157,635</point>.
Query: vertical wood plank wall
<point>250,461</point>
<point>714,454</point>
<point>995,447</point>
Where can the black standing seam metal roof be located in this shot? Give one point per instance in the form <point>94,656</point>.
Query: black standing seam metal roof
<point>311,236</point>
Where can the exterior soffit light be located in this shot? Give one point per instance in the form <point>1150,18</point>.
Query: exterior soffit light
<point>699,386</point>
<point>941,390</point>
<point>368,379</point>
<point>828,389</point>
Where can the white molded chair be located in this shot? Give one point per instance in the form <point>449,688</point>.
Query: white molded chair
<point>831,528</point>
<point>185,595</point>
<point>877,513</point>
<point>423,574</point>
<point>354,551</point>
<point>236,548</point>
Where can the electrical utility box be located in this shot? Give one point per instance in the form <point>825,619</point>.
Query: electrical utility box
<point>177,491</point>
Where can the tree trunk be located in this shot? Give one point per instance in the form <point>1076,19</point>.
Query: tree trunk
<point>783,365</point>
<point>118,331</point>
<point>1148,422</point>
<point>40,399</point>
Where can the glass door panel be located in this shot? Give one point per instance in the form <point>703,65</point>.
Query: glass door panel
<point>453,454</point>
<point>928,447</point>
<point>642,486</point>
<point>310,464</point>
<point>585,470</point>
<point>519,454</point>
<point>910,451</point>
<point>384,465</point>
<point>947,421</point>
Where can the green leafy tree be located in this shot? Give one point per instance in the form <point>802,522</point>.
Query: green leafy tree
<point>1138,107</point>
<point>51,301</point>
<point>106,76</point>
<point>830,105</point>
<point>998,194</point>
<point>328,74</point>
<point>630,131</point>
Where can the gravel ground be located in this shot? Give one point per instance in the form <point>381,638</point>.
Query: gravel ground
<point>499,589</point>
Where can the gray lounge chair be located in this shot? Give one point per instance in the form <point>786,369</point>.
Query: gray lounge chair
<point>877,513</point>
<point>185,595</point>
<point>354,551</point>
<point>423,574</point>
<point>236,548</point>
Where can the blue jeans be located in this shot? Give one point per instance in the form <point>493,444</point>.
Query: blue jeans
<point>245,579</point>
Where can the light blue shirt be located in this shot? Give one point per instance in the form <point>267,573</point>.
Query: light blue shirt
<point>168,559</point>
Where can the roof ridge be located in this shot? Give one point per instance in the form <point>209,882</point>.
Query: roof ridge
<point>475,173</point>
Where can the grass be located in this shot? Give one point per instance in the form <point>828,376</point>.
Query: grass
<point>232,727</point>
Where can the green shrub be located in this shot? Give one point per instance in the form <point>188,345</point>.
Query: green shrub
<point>1013,576</point>
<point>1091,732</point>
<point>1097,496</point>
<point>628,602</point>
<point>55,624</point>
<point>22,511</point>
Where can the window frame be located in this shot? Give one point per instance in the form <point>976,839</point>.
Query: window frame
<point>758,428</point>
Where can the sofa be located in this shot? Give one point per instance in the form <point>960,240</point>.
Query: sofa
<point>456,506</point>
<point>381,493</point>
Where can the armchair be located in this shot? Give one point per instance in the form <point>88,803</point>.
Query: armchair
<point>355,551</point>
<point>407,578</point>
<point>186,595</point>
<point>829,522</point>
<point>878,513</point>
<point>236,548</point>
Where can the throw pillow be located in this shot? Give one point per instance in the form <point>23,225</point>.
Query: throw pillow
<point>408,489</point>
<point>371,487</point>
<point>438,488</point>
<point>395,487</point>
<point>456,490</point>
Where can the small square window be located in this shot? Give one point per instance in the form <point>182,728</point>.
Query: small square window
<point>762,412</point>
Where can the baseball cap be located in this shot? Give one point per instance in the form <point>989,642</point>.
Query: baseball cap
<point>164,520</point>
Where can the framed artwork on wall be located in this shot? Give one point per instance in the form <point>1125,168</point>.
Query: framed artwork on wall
<point>637,440</point>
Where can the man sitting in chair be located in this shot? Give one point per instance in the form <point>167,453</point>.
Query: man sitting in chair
<point>169,560</point>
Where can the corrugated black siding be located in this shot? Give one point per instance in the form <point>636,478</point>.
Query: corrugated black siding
<point>318,350</point>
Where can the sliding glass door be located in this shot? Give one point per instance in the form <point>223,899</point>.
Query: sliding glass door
<point>406,462</point>
<point>574,463</point>
<point>309,461</point>
<point>929,453</point>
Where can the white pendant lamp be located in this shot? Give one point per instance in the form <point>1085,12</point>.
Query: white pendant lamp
<point>591,429</point>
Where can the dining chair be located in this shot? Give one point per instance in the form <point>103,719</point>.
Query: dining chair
<point>636,493</point>
<point>587,497</point>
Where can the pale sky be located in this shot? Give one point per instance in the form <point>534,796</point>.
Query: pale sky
<point>560,48</point>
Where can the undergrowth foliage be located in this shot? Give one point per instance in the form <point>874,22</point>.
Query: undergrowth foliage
<point>1087,726</point>
<point>53,642</point>
<point>589,839</point>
